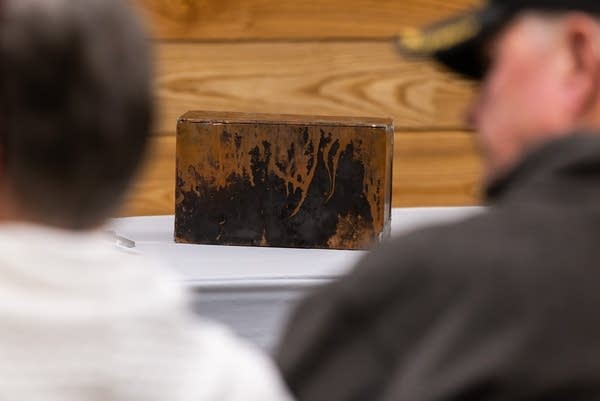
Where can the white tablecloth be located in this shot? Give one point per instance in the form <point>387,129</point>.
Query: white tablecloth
<point>253,289</point>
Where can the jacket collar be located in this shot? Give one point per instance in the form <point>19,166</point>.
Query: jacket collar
<point>564,167</point>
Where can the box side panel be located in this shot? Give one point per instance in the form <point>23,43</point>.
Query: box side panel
<point>278,185</point>
<point>389,162</point>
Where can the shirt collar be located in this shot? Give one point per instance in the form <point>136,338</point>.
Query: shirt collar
<point>555,162</point>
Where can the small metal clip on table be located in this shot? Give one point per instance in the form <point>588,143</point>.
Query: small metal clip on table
<point>253,289</point>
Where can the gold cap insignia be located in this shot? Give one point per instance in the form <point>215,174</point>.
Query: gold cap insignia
<point>444,36</point>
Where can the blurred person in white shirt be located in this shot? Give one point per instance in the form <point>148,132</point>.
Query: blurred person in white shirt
<point>80,319</point>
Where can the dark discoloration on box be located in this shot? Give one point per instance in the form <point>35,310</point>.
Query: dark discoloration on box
<point>286,181</point>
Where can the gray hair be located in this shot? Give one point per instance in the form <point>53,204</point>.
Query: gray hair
<point>75,106</point>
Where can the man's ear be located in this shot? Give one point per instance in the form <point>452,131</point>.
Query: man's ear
<point>582,35</point>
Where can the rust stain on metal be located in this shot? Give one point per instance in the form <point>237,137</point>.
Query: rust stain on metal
<point>283,180</point>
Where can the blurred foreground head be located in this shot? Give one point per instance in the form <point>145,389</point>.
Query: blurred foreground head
<point>538,65</point>
<point>75,109</point>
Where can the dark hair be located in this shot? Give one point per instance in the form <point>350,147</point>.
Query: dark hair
<point>75,106</point>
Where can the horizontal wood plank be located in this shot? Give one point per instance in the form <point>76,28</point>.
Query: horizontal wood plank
<point>290,19</point>
<point>436,169</point>
<point>430,169</point>
<point>153,191</point>
<point>365,78</point>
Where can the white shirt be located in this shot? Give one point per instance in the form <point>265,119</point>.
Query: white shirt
<point>82,320</point>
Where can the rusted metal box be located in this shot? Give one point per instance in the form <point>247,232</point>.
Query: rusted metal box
<point>283,181</point>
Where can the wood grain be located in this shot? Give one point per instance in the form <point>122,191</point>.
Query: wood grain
<point>430,169</point>
<point>153,192</point>
<point>436,169</point>
<point>364,78</point>
<point>290,19</point>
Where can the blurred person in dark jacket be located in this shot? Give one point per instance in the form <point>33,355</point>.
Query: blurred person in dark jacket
<point>502,306</point>
<point>81,320</point>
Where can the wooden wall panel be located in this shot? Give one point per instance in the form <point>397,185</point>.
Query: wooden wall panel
<point>290,19</point>
<point>430,169</point>
<point>436,169</point>
<point>153,192</point>
<point>329,57</point>
<point>362,78</point>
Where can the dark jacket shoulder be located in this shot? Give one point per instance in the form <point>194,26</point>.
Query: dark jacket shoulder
<point>470,310</point>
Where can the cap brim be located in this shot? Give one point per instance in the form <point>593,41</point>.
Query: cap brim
<point>456,42</point>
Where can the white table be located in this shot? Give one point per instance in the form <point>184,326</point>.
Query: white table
<point>253,289</point>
